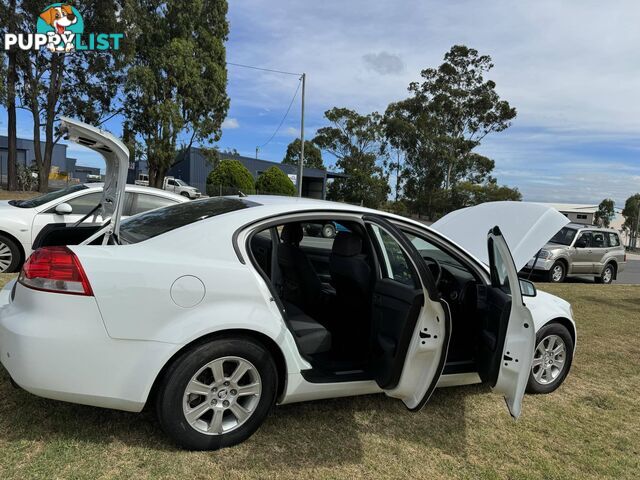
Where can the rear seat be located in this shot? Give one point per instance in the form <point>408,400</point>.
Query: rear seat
<point>311,336</point>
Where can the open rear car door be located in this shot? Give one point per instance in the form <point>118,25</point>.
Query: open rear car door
<point>507,336</point>
<point>411,324</point>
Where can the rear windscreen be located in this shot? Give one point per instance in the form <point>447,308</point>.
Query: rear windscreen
<point>156,222</point>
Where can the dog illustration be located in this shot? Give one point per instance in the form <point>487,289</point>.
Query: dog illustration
<point>59,18</point>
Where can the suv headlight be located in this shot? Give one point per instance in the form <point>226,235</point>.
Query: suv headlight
<point>545,254</point>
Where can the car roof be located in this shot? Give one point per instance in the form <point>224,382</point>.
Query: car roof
<point>140,189</point>
<point>582,226</point>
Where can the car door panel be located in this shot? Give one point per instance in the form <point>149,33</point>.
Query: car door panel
<point>411,324</point>
<point>507,338</point>
<point>582,261</point>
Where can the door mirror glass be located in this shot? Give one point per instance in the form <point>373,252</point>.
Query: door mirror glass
<point>527,288</point>
<point>64,209</point>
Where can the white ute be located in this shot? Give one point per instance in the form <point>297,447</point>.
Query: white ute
<point>242,310</point>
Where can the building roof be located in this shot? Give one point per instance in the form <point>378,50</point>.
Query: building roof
<point>258,163</point>
<point>572,207</point>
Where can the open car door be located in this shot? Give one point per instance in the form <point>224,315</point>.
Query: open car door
<point>507,336</point>
<point>411,323</point>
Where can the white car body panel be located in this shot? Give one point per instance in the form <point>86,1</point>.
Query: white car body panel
<point>526,227</point>
<point>517,352</point>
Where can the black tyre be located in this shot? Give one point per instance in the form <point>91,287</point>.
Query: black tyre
<point>10,255</point>
<point>328,231</point>
<point>557,273</point>
<point>608,272</point>
<point>217,394</point>
<point>552,359</point>
<point>185,194</point>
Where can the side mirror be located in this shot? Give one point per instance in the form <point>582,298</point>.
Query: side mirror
<point>580,243</point>
<point>527,288</point>
<point>64,209</point>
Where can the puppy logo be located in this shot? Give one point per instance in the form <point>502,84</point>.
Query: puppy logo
<point>60,22</point>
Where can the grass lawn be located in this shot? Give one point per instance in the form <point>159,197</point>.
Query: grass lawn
<point>4,195</point>
<point>590,428</point>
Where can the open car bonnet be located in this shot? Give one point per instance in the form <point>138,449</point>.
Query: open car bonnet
<point>116,157</point>
<point>526,227</point>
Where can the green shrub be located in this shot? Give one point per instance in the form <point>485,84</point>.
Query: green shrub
<point>230,174</point>
<point>275,181</point>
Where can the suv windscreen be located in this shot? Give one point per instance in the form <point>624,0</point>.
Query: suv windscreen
<point>47,197</point>
<point>564,236</point>
<point>156,222</point>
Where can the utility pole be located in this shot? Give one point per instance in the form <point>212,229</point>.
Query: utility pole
<point>301,165</point>
<point>257,148</point>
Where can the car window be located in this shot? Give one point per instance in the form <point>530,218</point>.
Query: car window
<point>157,222</point>
<point>47,197</point>
<point>564,237</point>
<point>320,234</point>
<point>499,274</point>
<point>83,204</point>
<point>597,240</point>
<point>586,238</point>
<point>171,182</point>
<point>143,202</point>
<point>614,240</point>
<point>428,249</point>
<point>395,262</point>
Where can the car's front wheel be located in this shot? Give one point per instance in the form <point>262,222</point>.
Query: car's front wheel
<point>557,273</point>
<point>217,394</point>
<point>551,359</point>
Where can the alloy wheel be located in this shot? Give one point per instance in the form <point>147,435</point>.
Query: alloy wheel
<point>6,257</point>
<point>558,272</point>
<point>607,275</point>
<point>549,359</point>
<point>222,395</point>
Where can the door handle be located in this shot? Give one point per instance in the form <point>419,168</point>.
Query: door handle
<point>377,300</point>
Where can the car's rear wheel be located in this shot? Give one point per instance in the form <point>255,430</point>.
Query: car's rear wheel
<point>557,273</point>
<point>551,359</point>
<point>9,255</point>
<point>607,274</point>
<point>217,394</point>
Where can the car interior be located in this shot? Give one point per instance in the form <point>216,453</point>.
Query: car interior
<point>348,320</point>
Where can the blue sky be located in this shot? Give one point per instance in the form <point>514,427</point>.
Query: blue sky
<point>570,68</point>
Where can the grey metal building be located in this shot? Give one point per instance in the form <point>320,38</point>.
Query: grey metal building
<point>194,169</point>
<point>26,157</point>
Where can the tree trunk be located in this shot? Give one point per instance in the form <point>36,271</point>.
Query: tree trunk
<point>12,174</point>
<point>57,62</point>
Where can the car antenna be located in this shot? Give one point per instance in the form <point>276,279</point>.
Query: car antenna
<point>240,194</point>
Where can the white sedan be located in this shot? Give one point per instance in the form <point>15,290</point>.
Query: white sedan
<point>22,220</point>
<point>215,310</point>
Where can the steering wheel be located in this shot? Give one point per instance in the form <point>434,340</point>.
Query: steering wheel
<point>437,275</point>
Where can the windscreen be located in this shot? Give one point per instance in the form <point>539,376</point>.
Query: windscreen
<point>564,237</point>
<point>47,197</point>
<point>156,222</point>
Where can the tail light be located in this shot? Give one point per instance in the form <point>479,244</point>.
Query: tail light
<point>55,269</point>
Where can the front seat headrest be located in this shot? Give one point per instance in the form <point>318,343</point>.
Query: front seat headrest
<point>347,244</point>
<point>292,233</point>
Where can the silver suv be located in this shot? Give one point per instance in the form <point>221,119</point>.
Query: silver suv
<point>581,250</point>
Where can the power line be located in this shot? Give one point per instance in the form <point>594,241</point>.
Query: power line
<point>283,118</point>
<point>263,69</point>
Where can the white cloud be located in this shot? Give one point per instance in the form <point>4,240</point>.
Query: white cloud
<point>230,123</point>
